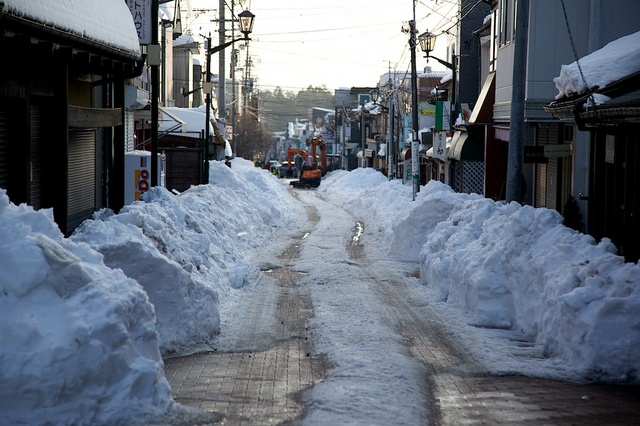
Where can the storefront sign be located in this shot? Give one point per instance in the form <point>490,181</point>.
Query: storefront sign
<point>556,151</point>
<point>534,154</point>
<point>141,13</point>
<point>440,145</point>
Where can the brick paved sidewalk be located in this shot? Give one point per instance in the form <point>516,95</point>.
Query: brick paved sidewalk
<point>526,401</point>
<point>247,388</point>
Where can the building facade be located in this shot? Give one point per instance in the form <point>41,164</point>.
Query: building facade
<point>62,106</point>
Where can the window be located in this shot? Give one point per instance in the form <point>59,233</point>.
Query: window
<point>507,21</point>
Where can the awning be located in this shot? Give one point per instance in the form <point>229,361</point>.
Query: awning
<point>187,122</point>
<point>467,146</point>
<point>429,152</point>
<point>483,110</point>
<point>406,154</point>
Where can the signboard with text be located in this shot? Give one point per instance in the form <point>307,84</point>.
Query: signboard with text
<point>440,145</point>
<point>141,13</point>
<point>443,115</point>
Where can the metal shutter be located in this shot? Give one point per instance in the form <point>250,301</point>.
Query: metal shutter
<point>546,186</point>
<point>35,158</point>
<point>129,131</point>
<point>82,175</point>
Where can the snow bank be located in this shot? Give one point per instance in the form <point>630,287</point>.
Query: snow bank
<point>518,267</point>
<point>512,267</point>
<point>187,250</point>
<point>79,342</point>
<point>77,338</point>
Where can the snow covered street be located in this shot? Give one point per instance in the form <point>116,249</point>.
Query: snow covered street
<point>334,318</point>
<point>349,304</point>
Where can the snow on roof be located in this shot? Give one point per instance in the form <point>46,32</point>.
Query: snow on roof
<point>184,39</point>
<point>107,21</point>
<point>167,11</point>
<point>446,78</point>
<point>618,59</point>
<point>193,118</point>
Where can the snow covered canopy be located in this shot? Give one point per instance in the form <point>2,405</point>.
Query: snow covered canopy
<point>103,27</point>
<point>603,86</point>
<point>190,122</point>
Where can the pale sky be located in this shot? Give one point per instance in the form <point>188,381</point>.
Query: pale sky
<point>336,43</point>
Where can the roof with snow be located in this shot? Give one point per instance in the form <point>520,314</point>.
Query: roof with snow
<point>100,23</point>
<point>603,86</point>
<point>188,122</point>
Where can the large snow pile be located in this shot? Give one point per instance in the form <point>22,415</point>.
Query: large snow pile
<point>77,339</point>
<point>513,267</point>
<point>187,250</point>
<point>79,342</point>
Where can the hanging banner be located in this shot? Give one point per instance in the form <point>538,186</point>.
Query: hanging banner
<point>141,13</point>
<point>443,115</point>
<point>440,145</point>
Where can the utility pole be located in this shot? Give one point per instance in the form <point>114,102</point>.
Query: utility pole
<point>221,62</point>
<point>363,136</point>
<point>234,63</point>
<point>415,164</point>
<point>155,88</point>
<point>517,128</point>
<point>247,82</point>
<point>390,124</point>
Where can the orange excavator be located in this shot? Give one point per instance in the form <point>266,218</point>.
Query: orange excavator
<point>311,175</point>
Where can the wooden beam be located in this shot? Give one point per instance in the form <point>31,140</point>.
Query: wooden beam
<point>94,117</point>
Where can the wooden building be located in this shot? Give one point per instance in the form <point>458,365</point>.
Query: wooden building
<point>62,102</point>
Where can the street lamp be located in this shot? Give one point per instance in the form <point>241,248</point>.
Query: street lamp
<point>427,44</point>
<point>245,19</point>
<point>375,95</point>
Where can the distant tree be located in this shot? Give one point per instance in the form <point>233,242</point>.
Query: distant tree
<point>252,138</point>
<point>278,108</point>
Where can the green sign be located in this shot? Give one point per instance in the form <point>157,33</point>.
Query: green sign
<point>443,116</point>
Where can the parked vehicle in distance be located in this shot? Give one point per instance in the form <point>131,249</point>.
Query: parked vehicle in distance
<point>274,167</point>
<point>286,172</point>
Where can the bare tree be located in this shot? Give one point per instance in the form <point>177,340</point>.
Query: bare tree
<point>253,140</point>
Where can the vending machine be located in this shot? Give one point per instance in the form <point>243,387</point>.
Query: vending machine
<point>137,171</point>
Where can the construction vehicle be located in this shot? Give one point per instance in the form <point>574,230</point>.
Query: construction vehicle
<point>310,176</point>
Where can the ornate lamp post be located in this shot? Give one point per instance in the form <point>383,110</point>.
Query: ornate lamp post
<point>246,19</point>
<point>375,95</point>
